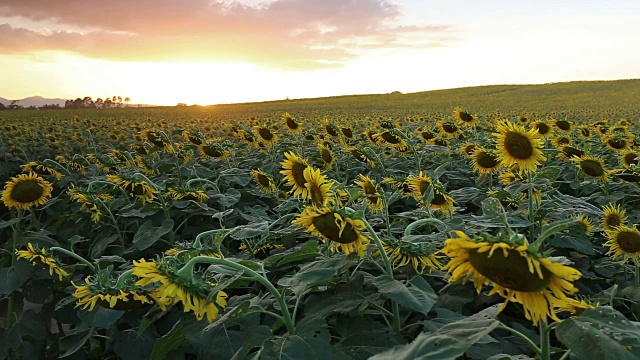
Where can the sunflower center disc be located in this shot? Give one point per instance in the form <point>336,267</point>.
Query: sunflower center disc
<point>136,189</point>
<point>316,194</point>
<point>630,159</point>
<point>543,129</point>
<point>487,160</point>
<point>263,180</point>
<point>438,199</point>
<point>518,145</point>
<point>563,125</point>
<point>390,138</point>
<point>27,191</point>
<point>617,144</point>
<point>511,272</point>
<point>449,128</point>
<point>265,134</point>
<point>570,151</point>
<point>212,151</point>
<point>465,117</point>
<point>628,241</point>
<point>591,168</point>
<point>326,156</point>
<point>326,225</point>
<point>613,220</point>
<point>297,171</point>
<point>292,124</point>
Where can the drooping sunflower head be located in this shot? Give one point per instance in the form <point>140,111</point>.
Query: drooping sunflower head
<point>293,170</point>
<point>41,170</point>
<point>194,137</point>
<point>107,292</point>
<point>629,158</point>
<point>449,129</point>
<point>213,151</point>
<point>26,191</point>
<point>563,125</point>
<point>398,183</point>
<point>614,216</point>
<point>331,128</point>
<point>519,147</point>
<point>543,128</point>
<point>290,123</point>
<point>592,167</point>
<point>347,133</point>
<point>509,177</point>
<point>343,232</point>
<point>616,143</point>
<point>318,187</point>
<point>419,185</point>
<point>263,180</point>
<point>560,141</point>
<point>265,135</point>
<point>41,257</point>
<point>484,161</point>
<point>134,187</point>
<point>360,156</point>
<point>624,243</point>
<point>568,152</point>
<point>388,138</point>
<point>464,117</point>
<point>420,256</point>
<point>187,193</point>
<point>167,287</point>
<point>540,284</point>
<point>326,155</point>
<point>468,148</point>
<point>369,189</point>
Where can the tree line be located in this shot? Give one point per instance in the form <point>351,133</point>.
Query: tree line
<point>80,103</point>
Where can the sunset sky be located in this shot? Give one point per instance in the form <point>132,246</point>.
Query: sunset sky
<point>208,52</point>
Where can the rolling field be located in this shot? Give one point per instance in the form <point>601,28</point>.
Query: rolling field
<point>494,222</point>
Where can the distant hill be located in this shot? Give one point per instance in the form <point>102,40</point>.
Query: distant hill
<point>35,101</point>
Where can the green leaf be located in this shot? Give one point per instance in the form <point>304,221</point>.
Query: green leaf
<point>548,172</point>
<point>356,334</point>
<point>449,342</point>
<point>147,235</point>
<point>74,341</point>
<point>229,198</point>
<point>601,333</point>
<point>132,345</point>
<point>554,227</point>
<point>173,340</point>
<point>298,253</point>
<point>250,230</point>
<point>315,273</point>
<point>100,245</point>
<point>100,317</point>
<point>13,277</point>
<point>577,243</point>
<point>419,296</point>
<point>4,224</point>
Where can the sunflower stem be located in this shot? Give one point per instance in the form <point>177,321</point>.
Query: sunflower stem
<point>14,242</point>
<point>524,337</point>
<point>389,268</point>
<point>545,349</point>
<point>415,224</point>
<point>187,270</point>
<point>565,355</point>
<point>532,226</point>
<point>75,256</point>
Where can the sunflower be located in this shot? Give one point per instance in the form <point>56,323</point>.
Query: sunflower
<point>89,203</point>
<point>617,143</point>
<point>426,136</point>
<point>543,128</point>
<point>158,139</point>
<point>468,148</point>
<point>449,129</point>
<point>187,193</point>
<point>266,136</point>
<point>347,133</point>
<point>139,189</point>
<point>262,250</point>
<point>214,151</point>
<point>341,231</point>
<point>509,177</point>
<point>624,242</point>
<point>592,167</point>
<point>584,222</point>
<point>290,123</point>
<point>26,191</point>
<point>173,289</point>
<point>614,216</point>
<point>40,257</point>
<point>568,152</point>
<point>420,257</point>
<point>360,156</point>
<point>398,184</point>
<point>516,146</point>
<point>538,283</point>
<point>41,170</point>
<point>560,141</point>
<point>629,158</point>
<point>319,189</point>
<point>94,293</point>
<point>441,200</point>
<point>369,188</point>
<point>483,161</point>
<point>264,181</point>
<point>387,137</point>
<point>563,125</point>
<point>331,128</point>
<point>195,138</point>
<point>293,171</point>
<point>584,131</point>
<point>465,117</point>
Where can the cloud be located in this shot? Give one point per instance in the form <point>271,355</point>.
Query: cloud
<point>283,33</point>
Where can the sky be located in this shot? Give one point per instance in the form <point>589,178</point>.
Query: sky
<point>223,51</point>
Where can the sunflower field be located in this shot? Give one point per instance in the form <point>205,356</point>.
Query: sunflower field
<point>316,233</point>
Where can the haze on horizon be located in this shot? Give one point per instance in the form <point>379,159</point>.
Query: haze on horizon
<point>208,52</point>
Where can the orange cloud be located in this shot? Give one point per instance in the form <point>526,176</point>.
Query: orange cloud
<point>283,33</point>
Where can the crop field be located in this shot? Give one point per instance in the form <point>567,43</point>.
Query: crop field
<point>494,222</point>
